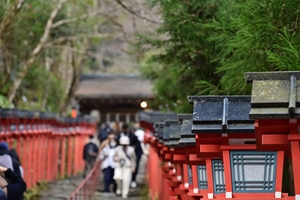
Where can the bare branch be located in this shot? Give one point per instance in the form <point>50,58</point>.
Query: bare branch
<point>72,49</point>
<point>135,13</point>
<point>76,37</point>
<point>77,65</point>
<point>48,65</point>
<point>75,19</point>
<point>28,64</point>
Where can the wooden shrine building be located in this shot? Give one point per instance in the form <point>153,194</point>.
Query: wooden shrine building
<point>117,97</point>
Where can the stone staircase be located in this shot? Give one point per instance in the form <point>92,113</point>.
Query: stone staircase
<point>62,189</point>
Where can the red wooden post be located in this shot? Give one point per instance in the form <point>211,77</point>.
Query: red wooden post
<point>185,176</point>
<point>29,161</point>
<point>58,158</point>
<point>49,153</point>
<point>41,157</point>
<point>19,147</point>
<point>24,158</point>
<point>63,156</point>
<point>45,157</point>
<point>210,187</point>
<point>227,171</point>
<point>195,179</point>
<point>75,156</point>
<point>296,165</point>
<point>70,153</point>
<point>81,140</point>
<point>55,156</point>
<point>34,160</point>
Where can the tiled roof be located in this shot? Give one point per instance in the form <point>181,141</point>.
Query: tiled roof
<point>114,86</point>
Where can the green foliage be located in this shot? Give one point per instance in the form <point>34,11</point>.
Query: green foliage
<point>287,52</point>
<point>252,36</point>
<point>184,54</point>
<point>33,193</point>
<point>4,103</point>
<point>22,37</point>
<point>217,41</point>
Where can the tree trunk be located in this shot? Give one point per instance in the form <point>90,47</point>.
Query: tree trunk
<point>47,85</point>
<point>28,64</point>
<point>77,65</point>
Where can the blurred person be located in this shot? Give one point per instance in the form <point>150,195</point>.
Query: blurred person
<point>16,162</point>
<point>125,165</point>
<point>5,158</point>
<point>107,163</point>
<point>135,143</point>
<point>14,187</point>
<point>90,153</point>
<point>138,133</point>
<point>127,132</point>
<point>103,133</point>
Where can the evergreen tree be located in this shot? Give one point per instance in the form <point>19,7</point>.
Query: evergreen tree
<point>254,36</point>
<point>216,42</point>
<point>185,53</point>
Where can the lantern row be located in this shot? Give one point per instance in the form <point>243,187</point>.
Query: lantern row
<point>230,146</point>
<point>49,146</point>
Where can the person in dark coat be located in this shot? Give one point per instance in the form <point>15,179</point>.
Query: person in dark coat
<point>103,133</point>
<point>90,153</point>
<point>15,187</point>
<point>2,195</point>
<point>7,160</point>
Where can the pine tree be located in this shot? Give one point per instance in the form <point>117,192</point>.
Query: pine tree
<point>210,44</point>
<point>255,36</point>
<point>185,54</point>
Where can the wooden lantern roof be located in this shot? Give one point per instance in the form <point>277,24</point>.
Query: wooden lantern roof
<point>221,114</point>
<point>167,129</point>
<point>187,137</point>
<point>175,131</point>
<point>275,95</point>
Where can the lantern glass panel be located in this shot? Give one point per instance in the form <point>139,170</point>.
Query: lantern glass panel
<point>190,174</point>
<point>21,127</point>
<point>218,176</point>
<point>202,177</point>
<point>253,171</point>
<point>13,127</point>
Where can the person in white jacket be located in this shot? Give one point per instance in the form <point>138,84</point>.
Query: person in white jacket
<point>125,162</point>
<point>108,164</point>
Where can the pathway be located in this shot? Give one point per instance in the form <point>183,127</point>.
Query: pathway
<point>139,193</point>
<point>61,189</point>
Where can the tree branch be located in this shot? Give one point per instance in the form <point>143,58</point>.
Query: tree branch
<point>135,13</point>
<point>76,37</point>
<point>28,64</point>
<point>77,66</point>
<point>79,51</point>
<point>75,19</point>
<point>48,65</point>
